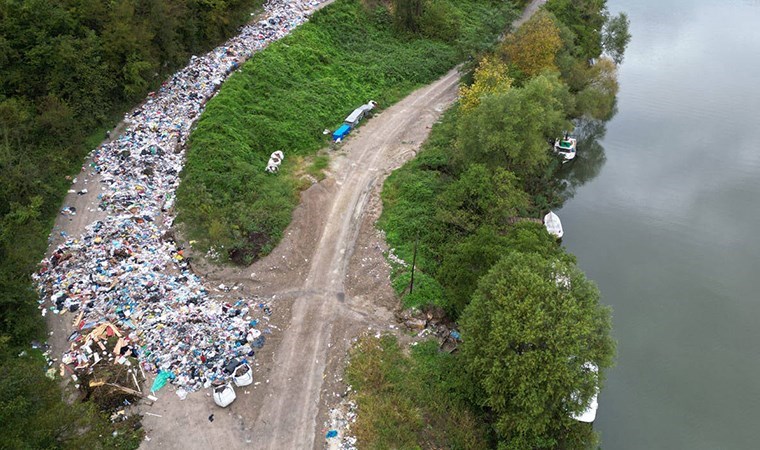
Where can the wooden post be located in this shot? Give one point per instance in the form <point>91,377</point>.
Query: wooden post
<point>414,262</point>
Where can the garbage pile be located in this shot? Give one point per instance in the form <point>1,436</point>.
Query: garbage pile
<point>338,435</point>
<point>123,277</point>
<point>432,321</point>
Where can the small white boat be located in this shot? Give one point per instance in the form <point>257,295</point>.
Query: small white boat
<point>553,225</point>
<point>589,414</point>
<point>224,395</point>
<point>565,148</point>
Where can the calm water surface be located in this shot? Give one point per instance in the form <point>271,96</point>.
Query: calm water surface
<point>670,228</point>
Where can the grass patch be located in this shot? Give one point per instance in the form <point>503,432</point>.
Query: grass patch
<point>317,168</point>
<point>409,401</point>
<point>286,95</point>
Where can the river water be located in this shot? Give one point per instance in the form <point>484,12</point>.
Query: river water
<point>668,224</point>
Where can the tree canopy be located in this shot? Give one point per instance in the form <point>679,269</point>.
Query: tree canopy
<point>585,18</point>
<point>615,37</point>
<point>511,129</point>
<point>531,326</point>
<point>533,47</point>
<point>491,77</point>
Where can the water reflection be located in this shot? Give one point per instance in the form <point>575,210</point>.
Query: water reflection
<point>588,161</point>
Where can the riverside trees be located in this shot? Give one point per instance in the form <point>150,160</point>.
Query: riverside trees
<point>529,318</point>
<point>531,326</point>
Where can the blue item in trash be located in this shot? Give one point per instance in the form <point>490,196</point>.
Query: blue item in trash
<point>341,132</point>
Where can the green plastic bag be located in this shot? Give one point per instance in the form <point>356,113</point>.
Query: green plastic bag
<point>162,378</point>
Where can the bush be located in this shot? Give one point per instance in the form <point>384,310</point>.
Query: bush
<point>441,21</point>
<point>410,401</point>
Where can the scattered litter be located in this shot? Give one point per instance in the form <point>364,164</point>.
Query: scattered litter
<point>124,278</point>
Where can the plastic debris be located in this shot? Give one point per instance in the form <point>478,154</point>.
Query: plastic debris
<point>123,279</point>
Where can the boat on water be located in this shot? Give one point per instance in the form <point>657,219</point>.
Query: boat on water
<point>565,147</point>
<point>553,225</point>
<point>589,414</point>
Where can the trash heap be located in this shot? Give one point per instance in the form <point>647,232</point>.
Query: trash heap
<point>123,278</point>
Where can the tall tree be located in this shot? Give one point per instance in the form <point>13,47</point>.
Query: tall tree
<point>585,18</point>
<point>481,197</point>
<point>615,37</point>
<point>532,325</point>
<point>491,77</point>
<point>510,130</point>
<point>533,47</point>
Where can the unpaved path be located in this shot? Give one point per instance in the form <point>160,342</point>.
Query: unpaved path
<point>288,418</point>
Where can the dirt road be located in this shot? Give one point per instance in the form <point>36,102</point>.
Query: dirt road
<point>288,419</point>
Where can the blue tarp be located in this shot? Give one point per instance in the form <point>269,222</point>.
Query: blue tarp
<point>341,132</point>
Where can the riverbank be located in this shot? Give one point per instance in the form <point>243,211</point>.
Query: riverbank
<point>450,211</point>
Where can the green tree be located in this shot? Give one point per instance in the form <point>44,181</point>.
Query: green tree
<point>511,129</point>
<point>480,197</point>
<point>585,18</point>
<point>407,14</point>
<point>464,262</point>
<point>533,48</point>
<point>531,326</point>
<point>531,237</point>
<point>615,37</point>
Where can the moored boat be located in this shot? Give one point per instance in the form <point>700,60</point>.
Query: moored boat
<point>589,414</point>
<point>553,225</point>
<point>565,147</point>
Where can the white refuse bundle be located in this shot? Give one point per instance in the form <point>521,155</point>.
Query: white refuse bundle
<point>275,159</point>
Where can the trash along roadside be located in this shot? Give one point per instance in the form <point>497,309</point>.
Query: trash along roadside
<point>136,306</point>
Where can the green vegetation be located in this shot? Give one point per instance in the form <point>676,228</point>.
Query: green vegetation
<point>68,70</point>
<point>407,402</point>
<point>34,415</point>
<point>285,96</point>
<point>317,167</point>
<point>532,324</point>
<point>529,318</point>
